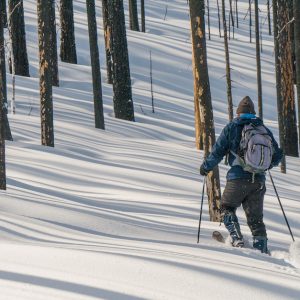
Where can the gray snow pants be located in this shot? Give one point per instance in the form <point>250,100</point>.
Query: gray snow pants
<point>251,196</point>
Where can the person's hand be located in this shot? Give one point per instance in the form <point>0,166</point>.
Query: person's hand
<point>203,172</point>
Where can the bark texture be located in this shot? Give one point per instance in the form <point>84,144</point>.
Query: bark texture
<point>297,54</point>
<point>227,58</point>
<point>2,117</point>
<point>95,63</point>
<point>67,38</point>
<point>45,43</point>
<point>202,92</point>
<point>18,37</point>
<point>278,86</point>
<point>258,61</point>
<point>133,15</point>
<point>287,80</point>
<point>143,19</point>
<point>3,14</point>
<point>123,103</point>
<point>107,39</point>
<point>53,45</point>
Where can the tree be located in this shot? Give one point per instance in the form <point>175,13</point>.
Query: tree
<point>45,55</point>
<point>53,45</point>
<point>258,61</point>
<point>202,90</point>
<point>95,63</point>
<point>278,86</point>
<point>3,14</point>
<point>123,103</point>
<point>67,38</point>
<point>133,15</point>
<point>287,80</point>
<point>18,38</point>
<point>297,54</point>
<point>2,116</point>
<point>107,39</point>
<point>143,21</point>
<point>228,70</point>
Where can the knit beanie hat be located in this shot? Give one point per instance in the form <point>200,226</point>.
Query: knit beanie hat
<point>246,106</point>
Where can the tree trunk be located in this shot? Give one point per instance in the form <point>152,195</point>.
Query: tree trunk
<point>258,61</point>
<point>18,37</point>
<point>53,37</point>
<point>269,17</point>
<point>67,38</point>
<point>250,20</point>
<point>297,54</point>
<point>237,13</point>
<point>3,14</point>
<point>2,115</point>
<point>143,19</point>
<point>228,70</point>
<point>107,38</point>
<point>278,86</point>
<point>202,89</point>
<point>287,80</point>
<point>123,103</point>
<point>45,42</point>
<point>208,19</point>
<point>3,85</point>
<point>219,18</point>
<point>133,15</point>
<point>95,63</point>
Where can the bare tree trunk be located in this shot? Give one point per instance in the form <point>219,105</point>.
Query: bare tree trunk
<point>258,62</point>
<point>107,38</point>
<point>269,17</point>
<point>3,14</point>
<point>3,86</point>
<point>287,80</point>
<point>202,89</point>
<point>143,19</point>
<point>2,116</point>
<point>45,43</point>
<point>18,37</point>
<point>250,20</point>
<point>133,15</point>
<point>219,18</point>
<point>53,36</point>
<point>123,103</point>
<point>95,64</point>
<point>228,70</point>
<point>208,19</point>
<point>67,39</point>
<point>237,13</point>
<point>297,53</point>
<point>278,86</point>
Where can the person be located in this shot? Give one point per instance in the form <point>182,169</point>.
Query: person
<point>244,187</point>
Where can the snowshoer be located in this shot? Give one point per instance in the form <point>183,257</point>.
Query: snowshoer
<point>251,150</point>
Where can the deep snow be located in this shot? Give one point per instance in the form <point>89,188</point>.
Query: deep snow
<point>114,214</point>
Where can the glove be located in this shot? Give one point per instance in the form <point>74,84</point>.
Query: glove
<point>203,172</point>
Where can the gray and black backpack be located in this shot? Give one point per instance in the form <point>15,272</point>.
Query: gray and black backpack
<point>255,150</point>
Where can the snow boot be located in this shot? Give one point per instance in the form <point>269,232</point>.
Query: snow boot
<point>261,243</point>
<point>233,226</point>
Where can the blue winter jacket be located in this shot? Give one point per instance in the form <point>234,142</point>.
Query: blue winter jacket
<point>228,141</point>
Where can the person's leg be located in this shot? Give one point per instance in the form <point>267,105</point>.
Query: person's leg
<point>253,207</point>
<point>234,194</point>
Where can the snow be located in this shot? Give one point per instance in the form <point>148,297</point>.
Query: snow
<point>114,214</point>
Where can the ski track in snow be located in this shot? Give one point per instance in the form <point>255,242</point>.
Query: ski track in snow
<point>114,214</point>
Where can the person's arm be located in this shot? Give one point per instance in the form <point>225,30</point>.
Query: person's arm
<point>219,150</point>
<point>277,154</point>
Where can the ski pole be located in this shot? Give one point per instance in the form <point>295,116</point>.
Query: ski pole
<point>286,220</point>
<point>204,180</point>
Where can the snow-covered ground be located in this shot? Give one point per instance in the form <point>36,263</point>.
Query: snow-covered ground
<point>114,214</point>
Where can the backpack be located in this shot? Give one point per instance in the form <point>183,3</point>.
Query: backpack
<point>255,149</point>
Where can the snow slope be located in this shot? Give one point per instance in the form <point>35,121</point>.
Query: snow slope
<point>114,214</point>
